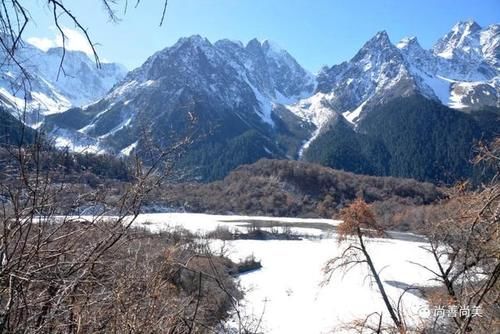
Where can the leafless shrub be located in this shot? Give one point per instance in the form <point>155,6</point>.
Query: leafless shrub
<point>250,263</point>
<point>221,233</point>
<point>464,242</point>
<point>130,288</point>
<point>65,274</point>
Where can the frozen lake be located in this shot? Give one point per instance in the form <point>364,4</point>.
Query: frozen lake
<point>286,293</point>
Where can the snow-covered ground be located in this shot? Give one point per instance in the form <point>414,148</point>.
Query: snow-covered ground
<point>287,291</point>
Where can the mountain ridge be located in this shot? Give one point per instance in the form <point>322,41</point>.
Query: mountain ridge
<point>53,87</point>
<point>258,96</point>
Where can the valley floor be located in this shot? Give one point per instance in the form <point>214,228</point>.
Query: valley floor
<point>287,295</point>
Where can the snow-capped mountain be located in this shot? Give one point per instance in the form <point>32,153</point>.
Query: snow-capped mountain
<point>462,68</point>
<point>377,73</point>
<point>251,101</point>
<point>52,90</point>
<point>469,45</point>
<point>221,91</point>
<point>81,82</point>
<point>461,71</point>
<point>270,69</point>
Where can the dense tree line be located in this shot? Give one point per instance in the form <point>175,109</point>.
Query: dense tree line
<point>12,131</point>
<point>341,147</point>
<point>407,137</point>
<point>213,160</point>
<point>86,168</point>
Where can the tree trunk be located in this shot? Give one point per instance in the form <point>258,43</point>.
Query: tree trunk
<point>380,286</point>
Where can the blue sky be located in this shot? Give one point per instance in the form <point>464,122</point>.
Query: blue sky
<point>315,32</point>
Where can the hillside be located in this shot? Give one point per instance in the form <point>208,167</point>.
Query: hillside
<point>407,137</point>
<point>12,131</point>
<point>295,189</point>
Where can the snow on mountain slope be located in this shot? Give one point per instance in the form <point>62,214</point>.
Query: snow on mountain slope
<point>473,47</point>
<point>315,110</point>
<point>51,90</point>
<point>245,85</point>
<point>475,95</point>
<point>461,71</point>
<point>466,57</point>
<point>219,82</point>
<point>44,97</point>
<point>377,73</point>
<point>461,38</point>
<point>82,82</point>
<point>489,39</point>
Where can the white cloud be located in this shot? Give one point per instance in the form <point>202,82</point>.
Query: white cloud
<point>41,43</point>
<point>75,41</point>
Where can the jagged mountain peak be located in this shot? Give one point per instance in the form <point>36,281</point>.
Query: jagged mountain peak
<point>254,45</point>
<point>377,48</point>
<point>196,40</point>
<point>415,55</point>
<point>466,27</point>
<point>469,52</point>
<point>194,43</point>
<point>462,39</point>
<point>270,69</point>
<point>266,66</point>
<point>381,39</point>
<point>228,85</point>
<point>190,54</point>
<point>266,46</point>
<point>410,42</point>
<point>259,48</point>
<point>229,42</point>
<point>377,53</point>
<point>461,71</point>
<point>253,41</point>
<point>378,72</point>
<point>190,44</point>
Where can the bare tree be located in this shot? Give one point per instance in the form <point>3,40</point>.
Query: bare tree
<point>464,241</point>
<point>359,222</point>
<point>16,16</point>
<point>62,273</point>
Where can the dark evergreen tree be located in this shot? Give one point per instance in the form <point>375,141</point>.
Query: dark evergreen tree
<point>407,137</point>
